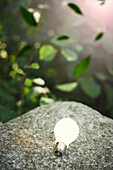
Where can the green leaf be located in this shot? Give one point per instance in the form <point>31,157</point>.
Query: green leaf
<point>79,47</point>
<point>64,37</point>
<point>47,52</point>
<point>28,16</point>
<point>40,90</point>
<point>46,100</point>
<point>28,82</point>
<point>75,8</point>
<point>39,81</point>
<point>26,91</point>
<point>82,66</point>
<point>34,100</point>
<point>69,54</point>
<point>90,87</point>
<point>68,87</point>
<point>12,73</point>
<point>102,2</point>
<point>34,66</point>
<point>99,36</point>
<point>101,76</point>
<point>19,71</point>
<point>63,43</point>
<point>25,50</point>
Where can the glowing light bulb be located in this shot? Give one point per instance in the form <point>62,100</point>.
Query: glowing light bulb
<point>66,131</point>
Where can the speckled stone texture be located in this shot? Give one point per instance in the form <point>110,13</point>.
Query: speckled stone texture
<point>27,142</point>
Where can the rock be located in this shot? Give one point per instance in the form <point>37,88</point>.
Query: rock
<point>27,142</point>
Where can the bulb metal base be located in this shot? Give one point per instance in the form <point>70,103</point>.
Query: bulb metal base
<point>60,148</point>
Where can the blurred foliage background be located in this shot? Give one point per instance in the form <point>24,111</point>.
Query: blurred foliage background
<point>55,50</point>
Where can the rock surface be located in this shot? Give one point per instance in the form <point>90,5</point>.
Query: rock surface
<point>27,142</point>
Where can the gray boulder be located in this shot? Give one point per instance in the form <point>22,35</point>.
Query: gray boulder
<point>27,142</point>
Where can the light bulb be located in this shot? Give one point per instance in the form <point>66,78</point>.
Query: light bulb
<point>66,131</point>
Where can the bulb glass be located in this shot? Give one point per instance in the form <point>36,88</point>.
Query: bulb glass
<point>66,130</point>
